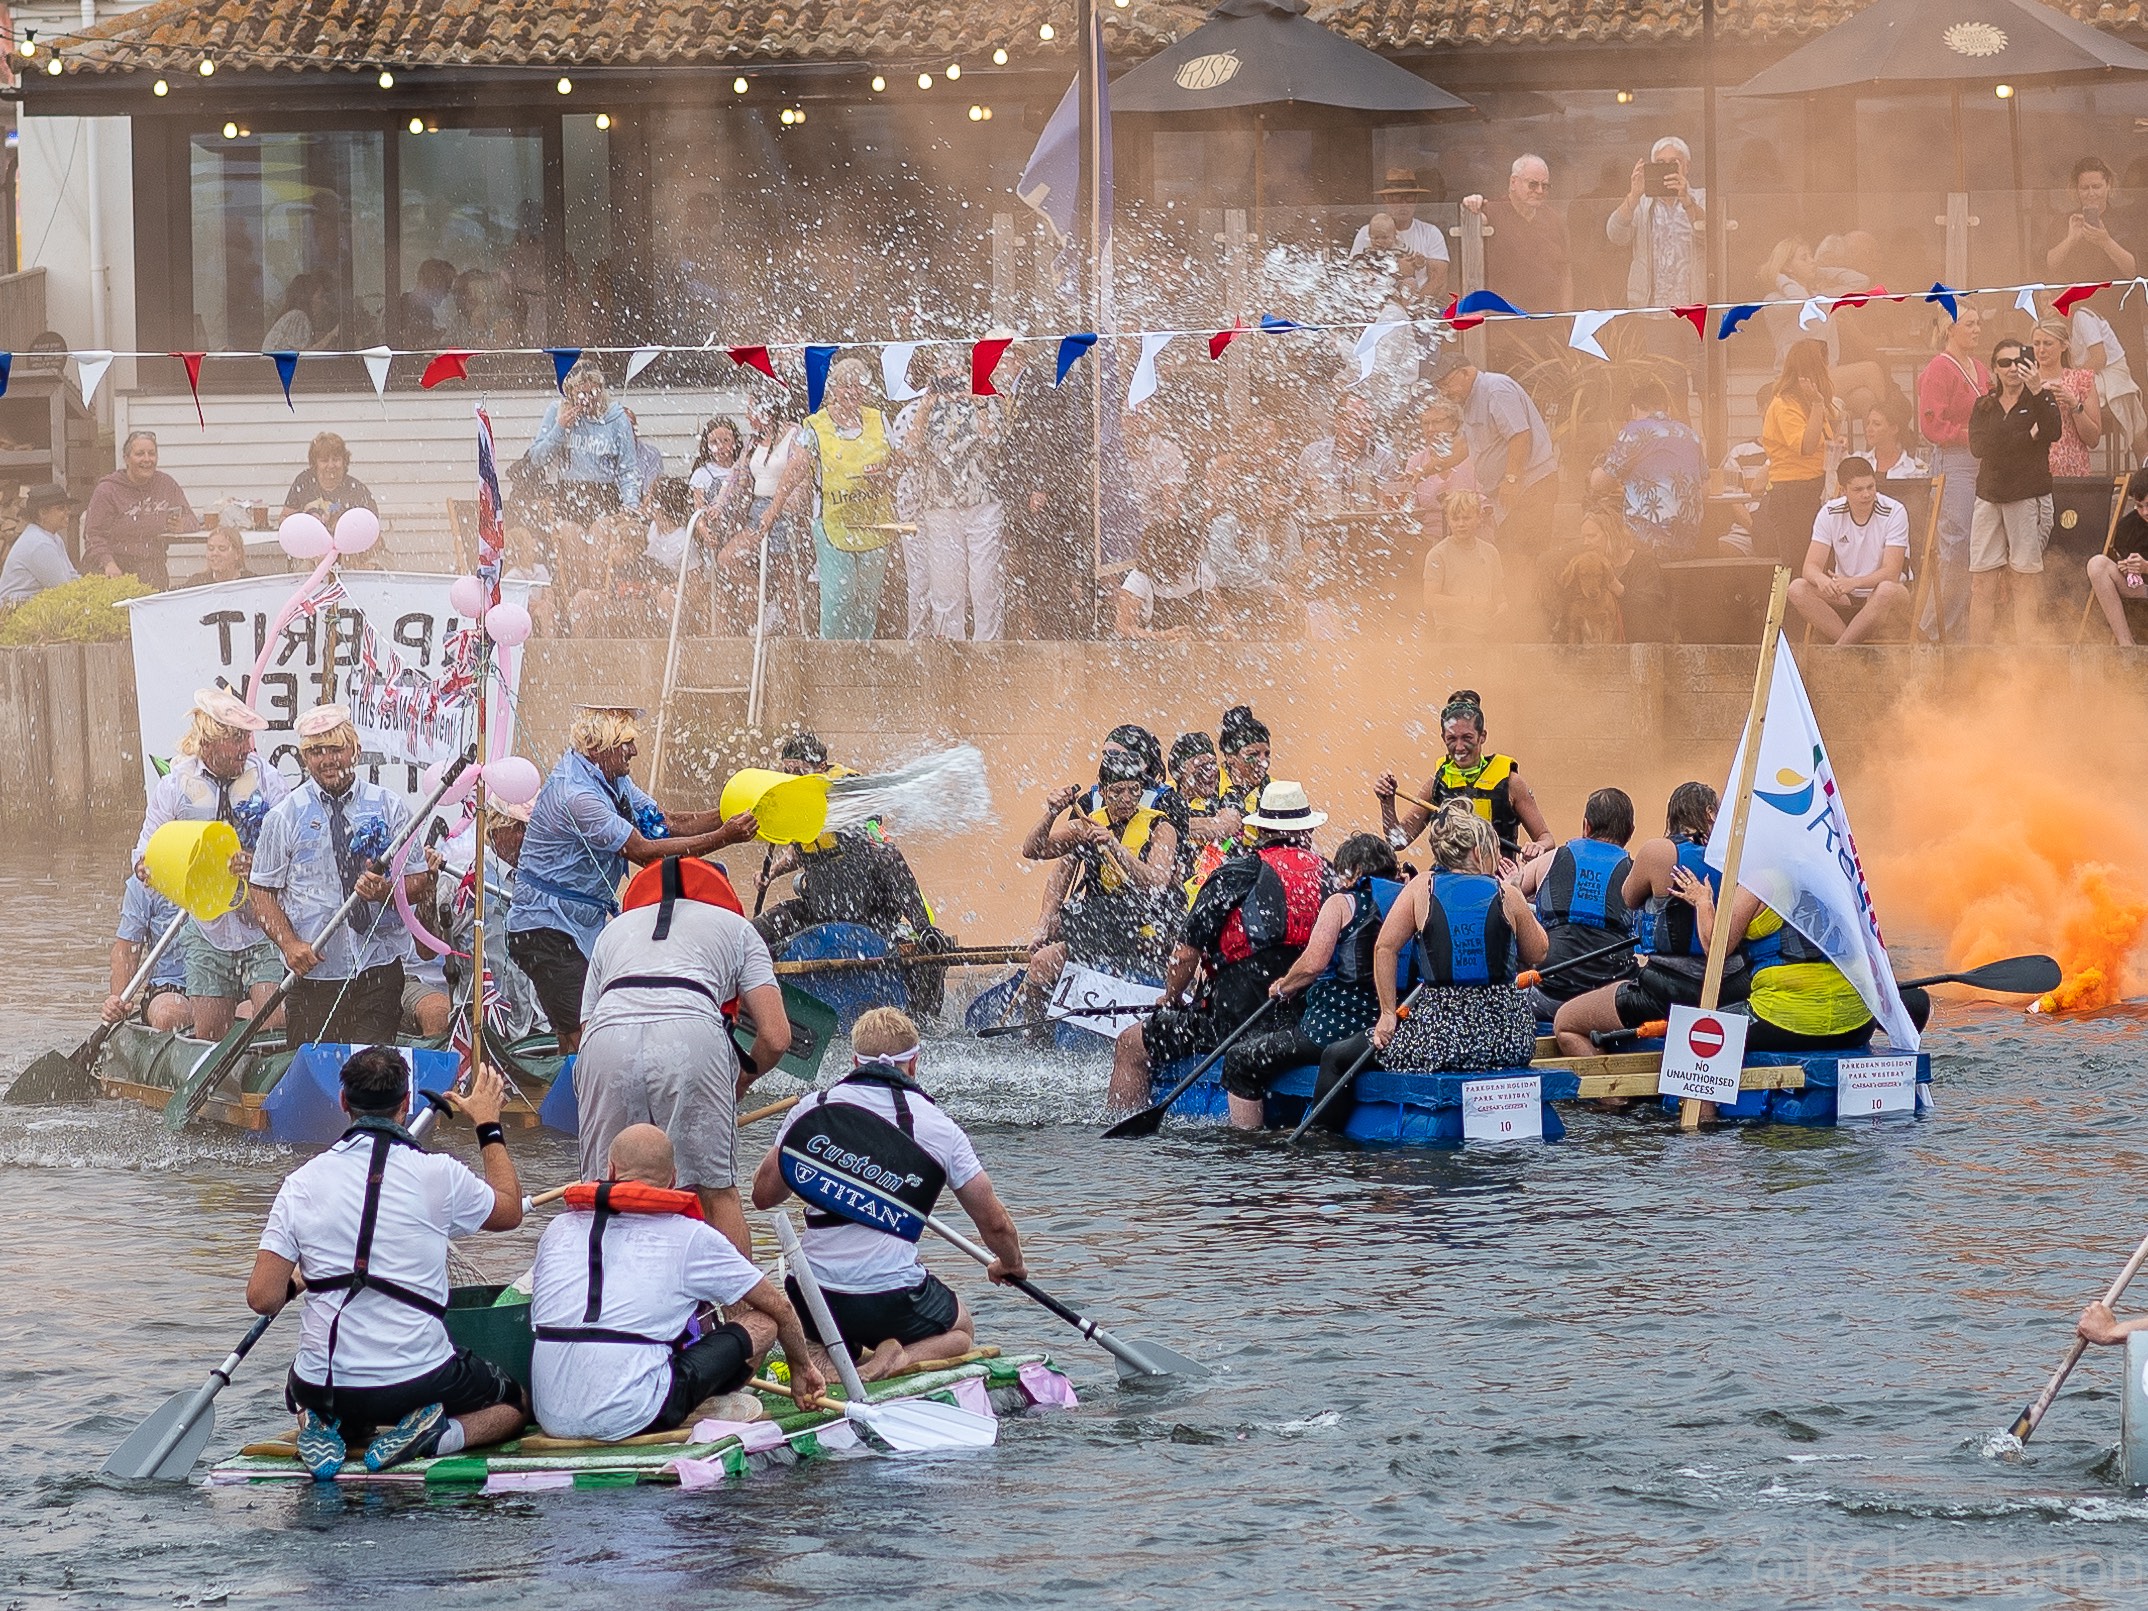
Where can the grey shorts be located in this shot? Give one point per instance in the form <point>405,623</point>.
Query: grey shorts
<point>679,1074</point>
<point>228,975</point>
<point>416,990</point>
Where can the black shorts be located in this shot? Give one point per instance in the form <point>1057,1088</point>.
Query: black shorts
<point>141,1008</point>
<point>556,969</point>
<point>1650,994</point>
<point>1175,1032</point>
<point>465,1383</point>
<point>720,1362</point>
<point>366,1010</point>
<point>868,1319</point>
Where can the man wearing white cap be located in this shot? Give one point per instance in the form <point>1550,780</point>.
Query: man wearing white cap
<point>219,776</point>
<point>324,841</point>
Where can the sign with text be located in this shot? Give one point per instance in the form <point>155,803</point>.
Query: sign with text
<point>1703,1055</point>
<point>1086,987</point>
<point>1510,1109</point>
<point>1868,1086</point>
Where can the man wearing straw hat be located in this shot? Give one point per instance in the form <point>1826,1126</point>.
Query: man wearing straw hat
<point>219,776</point>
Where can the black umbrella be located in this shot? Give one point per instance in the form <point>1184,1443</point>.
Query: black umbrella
<point>1257,52</point>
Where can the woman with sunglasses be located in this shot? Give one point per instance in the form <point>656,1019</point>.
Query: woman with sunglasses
<point>2011,430</point>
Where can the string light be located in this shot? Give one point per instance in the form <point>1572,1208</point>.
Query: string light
<point>1045,32</point>
<point>565,86</point>
<point>231,131</point>
<point>988,114</point>
<point>1625,97</point>
<point>924,81</point>
<point>976,114</point>
<point>738,86</point>
<point>417,125</point>
<point>2005,92</point>
<point>29,41</point>
<point>207,69</point>
<point>160,89</point>
<point>53,67</point>
<point>387,79</point>
<point>954,71</point>
<point>879,83</point>
<point>785,117</point>
<point>604,120</point>
<point>999,57</point>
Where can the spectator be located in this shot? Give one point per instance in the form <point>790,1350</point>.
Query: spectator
<point>666,544</point>
<point>1856,561</point>
<point>1465,584</point>
<point>1662,219</point>
<point>2088,251</point>
<point>1349,467</point>
<point>844,450</point>
<point>950,437</point>
<point>1257,557</point>
<point>1791,277</point>
<point>2074,391</point>
<point>1590,595</point>
<point>1421,243</point>
<point>715,473</point>
<point>1797,430</point>
<point>38,559</point>
<point>1044,486</point>
<point>1157,472</point>
<point>2094,346</point>
<point>1887,442</point>
<point>585,445</point>
<point>2011,430</point>
<point>1658,469</point>
<point>1508,440</point>
<point>770,437</point>
<point>224,547</point>
<point>1442,465</point>
<point>326,487</point>
<point>2120,576</point>
<point>1527,259</point>
<point>133,514</point>
<point>429,306</point>
<point>648,460</point>
<point>1947,392</point>
<point>307,320</point>
<point>1169,593</point>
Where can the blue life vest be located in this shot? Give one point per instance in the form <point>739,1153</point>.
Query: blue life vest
<point>1465,940</point>
<point>1586,886</point>
<point>1672,932</point>
<point>1352,962</point>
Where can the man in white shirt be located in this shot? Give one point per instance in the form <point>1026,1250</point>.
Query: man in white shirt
<point>893,1312</point>
<point>1859,552</point>
<point>1424,242</point>
<point>615,1287</point>
<point>367,1226</point>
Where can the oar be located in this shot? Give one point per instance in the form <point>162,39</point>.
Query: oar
<point>1350,1074</point>
<point>1505,844</point>
<point>57,1078</point>
<point>2026,1423</point>
<point>2014,976</point>
<point>1136,1360</point>
<point>965,957</point>
<point>1523,980</point>
<point>1150,1119</point>
<point>908,1426</point>
<point>993,1031</point>
<point>193,1091</point>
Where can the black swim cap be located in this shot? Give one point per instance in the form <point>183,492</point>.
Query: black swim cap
<point>1241,729</point>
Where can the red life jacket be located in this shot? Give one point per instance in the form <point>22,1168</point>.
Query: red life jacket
<point>1281,907</point>
<point>634,1197</point>
<point>691,878</point>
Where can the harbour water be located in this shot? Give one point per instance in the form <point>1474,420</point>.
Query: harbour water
<point>1748,1368</point>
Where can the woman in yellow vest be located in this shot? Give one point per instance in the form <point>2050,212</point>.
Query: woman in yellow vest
<point>1492,784</point>
<point>1108,904</point>
<point>847,443</point>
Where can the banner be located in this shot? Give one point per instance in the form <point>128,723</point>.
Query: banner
<point>401,661</point>
<point>1800,856</point>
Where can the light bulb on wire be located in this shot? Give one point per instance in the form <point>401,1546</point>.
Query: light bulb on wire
<point>160,89</point>
<point>207,69</point>
<point>387,79</point>
<point>29,41</point>
<point>604,120</point>
<point>879,83</point>
<point>954,71</point>
<point>565,86</point>
<point>1046,32</point>
<point>999,57</point>
<point>53,67</point>
<point>924,81</point>
<point>738,86</point>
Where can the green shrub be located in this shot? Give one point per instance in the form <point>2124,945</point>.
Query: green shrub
<point>84,611</point>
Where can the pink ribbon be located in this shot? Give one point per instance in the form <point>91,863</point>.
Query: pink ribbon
<point>283,619</point>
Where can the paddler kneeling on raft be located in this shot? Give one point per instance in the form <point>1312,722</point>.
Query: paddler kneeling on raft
<point>1491,785</point>
<point>1109,903</point>
<point>838,1151</point>
<point>367,1225</point>
<point>617,1282</point>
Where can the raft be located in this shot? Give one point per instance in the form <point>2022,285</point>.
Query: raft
<point>995,1005</point>
<point>851,992</point>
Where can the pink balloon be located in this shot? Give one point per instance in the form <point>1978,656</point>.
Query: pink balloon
<point>356,531</point>
<point>303,536</point>
<point>514,780</point>
<point>460,789</point>
<point>467,595</point>
<point>508,624</point>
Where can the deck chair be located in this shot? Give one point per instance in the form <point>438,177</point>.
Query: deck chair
<point>2110,539</point>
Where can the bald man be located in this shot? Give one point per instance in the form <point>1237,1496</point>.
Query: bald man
<point>617,1283</point>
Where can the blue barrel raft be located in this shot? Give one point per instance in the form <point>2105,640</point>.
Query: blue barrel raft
<point>852,992</point>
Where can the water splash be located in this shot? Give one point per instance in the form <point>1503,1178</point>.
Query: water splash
<point>941,793</point>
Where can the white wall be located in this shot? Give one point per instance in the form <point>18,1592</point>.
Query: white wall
<point>53,189</point>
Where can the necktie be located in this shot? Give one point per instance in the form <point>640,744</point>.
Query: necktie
<point>339,834</point>
<point>223,801</point>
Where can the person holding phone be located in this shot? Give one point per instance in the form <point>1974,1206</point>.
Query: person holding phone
<point>2011,430</point>
<point>1662,218</point>
<point>2119,576</point>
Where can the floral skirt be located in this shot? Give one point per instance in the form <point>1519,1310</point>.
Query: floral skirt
<point>1463,1027</point>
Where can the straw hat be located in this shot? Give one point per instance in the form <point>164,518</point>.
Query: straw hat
<point>1284,808</point>
<point>222,705</point>
<point>1402,183</point>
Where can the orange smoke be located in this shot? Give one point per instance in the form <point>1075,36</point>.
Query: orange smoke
<point>2008,821</point>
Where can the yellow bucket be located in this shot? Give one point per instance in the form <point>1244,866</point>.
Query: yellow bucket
<point>190,866</point>
<point>791,810</point>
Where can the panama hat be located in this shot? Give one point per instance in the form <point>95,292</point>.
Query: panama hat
<point>1284,808</point>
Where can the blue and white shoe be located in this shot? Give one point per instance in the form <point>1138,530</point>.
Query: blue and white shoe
<point>414,1437</point>
<point>320,1446</point>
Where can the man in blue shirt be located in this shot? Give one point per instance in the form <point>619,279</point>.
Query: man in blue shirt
<point>1658,470</point>
<point>39,558</point>
<point>144,915</point>
<point>588,825</point>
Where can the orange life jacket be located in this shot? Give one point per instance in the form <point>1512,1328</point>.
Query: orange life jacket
<point>634,1197</point>
<point>693,879</point>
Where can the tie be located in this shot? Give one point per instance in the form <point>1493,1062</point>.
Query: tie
<point>223,801</point>
<point>339,834</point>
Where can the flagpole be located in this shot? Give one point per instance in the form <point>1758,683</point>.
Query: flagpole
<point>1088,78</point>
<point>1741,805</point>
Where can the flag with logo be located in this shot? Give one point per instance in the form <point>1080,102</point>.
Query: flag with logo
<point>1800,856</point>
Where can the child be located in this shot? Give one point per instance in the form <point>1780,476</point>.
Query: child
<point>1465,583</point>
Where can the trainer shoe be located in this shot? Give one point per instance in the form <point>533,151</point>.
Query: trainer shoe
<point>320,1446</point>
<point>414,1437</point>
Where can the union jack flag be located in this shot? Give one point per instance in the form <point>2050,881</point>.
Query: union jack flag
<point>459,1038</point>
<point>491,531</point>
<point>330,592</point>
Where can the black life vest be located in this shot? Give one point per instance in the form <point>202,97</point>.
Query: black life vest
<point>359,1278</point>
<point>1466,939</point>
<point>852,1167</point>
<point>1675,934</point>
<point>600,1216</point>
<point>1352,963</point>
<point>1586,887</point>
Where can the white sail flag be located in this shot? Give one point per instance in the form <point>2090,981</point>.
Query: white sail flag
<point>1800,856</point>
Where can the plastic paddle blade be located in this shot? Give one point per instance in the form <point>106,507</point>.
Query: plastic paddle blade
<point>130,1461</point>
<point>919,1426</point>
<point>813,1024</point>
<point>2015,976</point>
<point>55,1077</point>
<point>1145,1123</point>
<point>193,1091</point>
<point>1157,1362</point>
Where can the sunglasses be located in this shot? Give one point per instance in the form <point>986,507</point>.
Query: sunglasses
<point>2017,362</point>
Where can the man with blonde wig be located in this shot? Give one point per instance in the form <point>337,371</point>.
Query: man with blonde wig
<point>588,825</point>
<point>220,776</point>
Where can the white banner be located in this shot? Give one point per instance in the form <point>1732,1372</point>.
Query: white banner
<point>1509,1109</point>
<point>1086,987</point>
<point>396,642</point>
<point>1703,1055</point>
<point>1865,1086</point>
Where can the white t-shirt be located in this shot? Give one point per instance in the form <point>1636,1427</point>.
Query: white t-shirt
<point>1418,235</point>
<point>426,1200</point>
<point>657,1267</point>
<point>1148,590</point>
<point>706,943</point>
<point>766,465</point>
<point>854,1258</point>
<point>668,547</point>
<point>1857,549</point>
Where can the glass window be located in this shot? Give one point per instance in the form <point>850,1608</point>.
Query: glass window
<point>472,247</point>
<point>289,237</point>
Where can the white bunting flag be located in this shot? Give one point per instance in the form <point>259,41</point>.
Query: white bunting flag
<point>377,360</point>
<point>89,372</point>
<point>1368,345</point>
<point>1143,386</point>
<point>1812,313</point>
<point>895,371</point>
<point>1585,327</point>
<point>2025,299</point>
<point>642,359</point>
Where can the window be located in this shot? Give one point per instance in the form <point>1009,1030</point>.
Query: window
<point>471,212</point>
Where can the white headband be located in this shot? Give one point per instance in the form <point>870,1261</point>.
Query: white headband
<point>910,1056</point>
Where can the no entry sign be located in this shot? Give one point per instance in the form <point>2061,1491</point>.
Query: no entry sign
<point>1703,1055</point>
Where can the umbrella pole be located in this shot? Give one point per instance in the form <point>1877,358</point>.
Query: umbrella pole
<point>2021,185</point>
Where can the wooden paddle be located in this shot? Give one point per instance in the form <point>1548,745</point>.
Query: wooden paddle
<point>2026,1423</point>
<point>1150,1119</point>
<point>961,957</point>
<point>1350,1074</point>
<point>2013,976</point>
<point>57,1078</point>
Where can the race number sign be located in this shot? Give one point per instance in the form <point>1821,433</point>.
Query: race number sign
<point>1510,1109</point>
<point>1703,1055</point>
<point>1868,1086</point>
<point>1086,987</point>
<point>389,645</point>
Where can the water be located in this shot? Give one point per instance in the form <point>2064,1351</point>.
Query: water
<point>1753,1368</point>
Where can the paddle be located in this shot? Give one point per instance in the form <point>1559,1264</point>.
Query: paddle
<point>1350,1074</point>
<point>2014,976</point>
<point>960,957</point>
<point>1137,1361</point>
<point>2026,1423</point>
<point>192,1093</point>
<point>908,1426</point>
<point>1505,844</point>
<point>57,1078</point>
<point>1150,1119</point>
<point>993,1031</point>
<point>1523,980</point>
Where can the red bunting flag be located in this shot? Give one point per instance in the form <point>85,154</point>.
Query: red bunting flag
<point>1857,299</point>
<point>2073,296</point>
<point>984,358</point>
<point>1222,339</point>
<point>192,360</point>
<point>447,366</point>
<point>1466,321</point>
<point>1697,317</point>
<point>752,358</point>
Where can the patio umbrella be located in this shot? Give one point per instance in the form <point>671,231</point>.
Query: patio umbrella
<point>1258,52</point>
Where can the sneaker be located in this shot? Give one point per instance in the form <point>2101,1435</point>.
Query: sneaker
<point>414,1437</point>
<point>320,1446</point>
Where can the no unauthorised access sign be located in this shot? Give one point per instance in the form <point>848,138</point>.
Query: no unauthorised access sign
<point>1703,1054</point>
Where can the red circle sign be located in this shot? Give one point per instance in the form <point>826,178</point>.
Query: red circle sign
<point>1705,1037</point>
